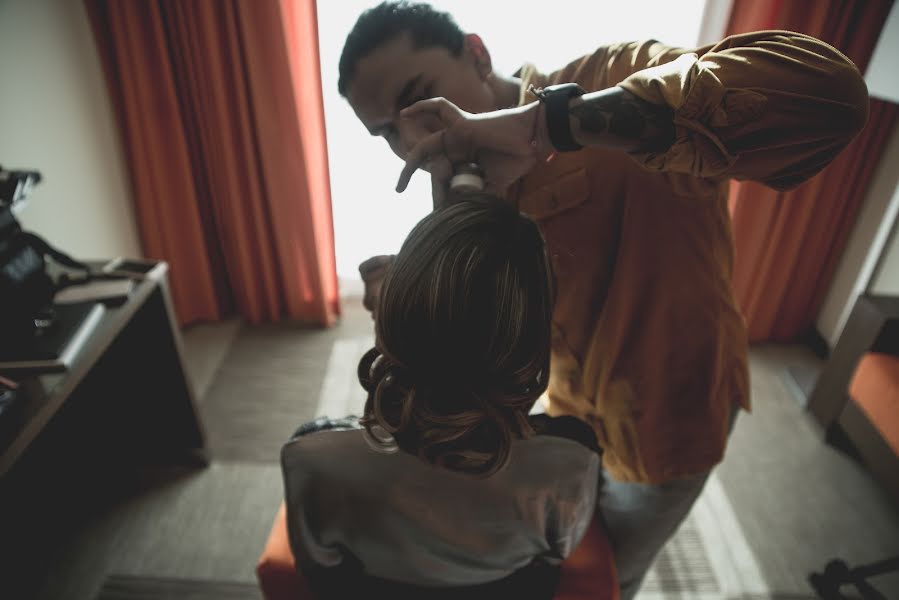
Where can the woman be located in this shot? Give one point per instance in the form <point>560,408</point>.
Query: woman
<point>446,487</point>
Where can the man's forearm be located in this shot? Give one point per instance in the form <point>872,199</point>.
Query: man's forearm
<point>615,118</point>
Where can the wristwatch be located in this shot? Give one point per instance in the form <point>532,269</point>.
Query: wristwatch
<point>558,122</point>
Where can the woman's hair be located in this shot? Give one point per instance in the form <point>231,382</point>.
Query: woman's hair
<point>463,337</point>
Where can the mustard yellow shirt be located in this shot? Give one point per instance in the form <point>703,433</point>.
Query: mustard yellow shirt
<point>650,346</point>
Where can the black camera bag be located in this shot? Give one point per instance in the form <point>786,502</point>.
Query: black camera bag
<point>25,285</point>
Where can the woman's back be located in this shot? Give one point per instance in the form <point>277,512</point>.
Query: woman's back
<point>414,523</point>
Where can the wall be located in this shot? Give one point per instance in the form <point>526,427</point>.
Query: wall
<point>56,117</point>
<point>856,270</point>
<point>886,278</point>
<point>715,15</point>
<point>882,76</point>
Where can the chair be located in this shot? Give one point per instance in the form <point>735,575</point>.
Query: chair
<point>871,417</point>
<point>856,399</point>
<point>276,569</point>
<point>837,575</point>
<point>589,573</point>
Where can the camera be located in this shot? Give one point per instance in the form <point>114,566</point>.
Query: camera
<point>25,287</point>
<point>16,185</point>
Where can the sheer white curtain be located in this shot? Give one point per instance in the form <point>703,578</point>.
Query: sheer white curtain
<point>369,217</point>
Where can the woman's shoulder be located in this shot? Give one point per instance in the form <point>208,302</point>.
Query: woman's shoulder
<point>311,444</point>
<point>339,452</point>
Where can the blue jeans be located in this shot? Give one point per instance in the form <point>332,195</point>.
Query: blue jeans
<point>641,517</point>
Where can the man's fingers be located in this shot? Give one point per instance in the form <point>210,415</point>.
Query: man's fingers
<point>425,149</point>
<point>411,131</point>
<point>441,107</point>
<point>438,192</point>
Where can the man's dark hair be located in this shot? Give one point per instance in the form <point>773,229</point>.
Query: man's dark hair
<point>427,26</point>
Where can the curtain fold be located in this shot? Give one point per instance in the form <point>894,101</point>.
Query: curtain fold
<point>788,244</point>
<point>226,150</point>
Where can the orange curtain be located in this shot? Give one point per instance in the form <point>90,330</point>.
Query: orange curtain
<point>220,108</point>
<point>788,243</point>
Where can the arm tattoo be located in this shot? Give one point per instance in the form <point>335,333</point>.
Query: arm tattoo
<point>621,114</point>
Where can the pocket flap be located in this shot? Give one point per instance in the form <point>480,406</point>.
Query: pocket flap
<point>563,194</point>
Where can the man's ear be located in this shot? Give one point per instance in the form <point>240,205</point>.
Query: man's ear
<point>476,50</point>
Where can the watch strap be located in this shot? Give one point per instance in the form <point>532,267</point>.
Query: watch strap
<point>558,121</point>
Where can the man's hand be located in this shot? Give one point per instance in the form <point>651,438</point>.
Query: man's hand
<point>373,272</point>
<point>508,143</point>
<point>505,143</point>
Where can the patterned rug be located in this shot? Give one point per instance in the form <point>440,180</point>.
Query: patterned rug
<point>709,558</point>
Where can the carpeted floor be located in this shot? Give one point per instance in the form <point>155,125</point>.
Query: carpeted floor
<point>204,525</point>
<point>267,385</point>
<point>122,587</point>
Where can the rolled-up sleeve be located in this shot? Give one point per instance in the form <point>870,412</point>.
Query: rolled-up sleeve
<point>772,106</point>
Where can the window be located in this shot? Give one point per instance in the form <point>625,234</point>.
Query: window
<point>369,217</point>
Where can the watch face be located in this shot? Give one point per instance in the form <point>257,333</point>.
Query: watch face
<point>566,89</point>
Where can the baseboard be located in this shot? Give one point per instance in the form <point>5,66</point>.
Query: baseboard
<point>814,341</point>
<point>797,382</point>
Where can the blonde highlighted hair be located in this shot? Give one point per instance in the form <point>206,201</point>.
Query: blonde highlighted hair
<point>463,337</point>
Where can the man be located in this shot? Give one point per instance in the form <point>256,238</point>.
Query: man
<point>649,346</point>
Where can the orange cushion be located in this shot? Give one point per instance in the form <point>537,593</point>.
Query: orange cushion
<point>589,573</point>
<point>875,388</point>
<point>276,569</point>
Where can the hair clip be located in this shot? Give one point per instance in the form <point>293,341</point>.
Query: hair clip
<point>379,439</point>
<point>467,178</point>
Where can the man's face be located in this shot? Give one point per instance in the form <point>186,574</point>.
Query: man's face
<point>396,75</point>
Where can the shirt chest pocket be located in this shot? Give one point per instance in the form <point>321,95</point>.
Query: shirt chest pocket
<point>562,194</point>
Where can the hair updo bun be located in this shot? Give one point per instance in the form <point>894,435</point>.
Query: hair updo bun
<point>463,328</point>
<point>444,425</point>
